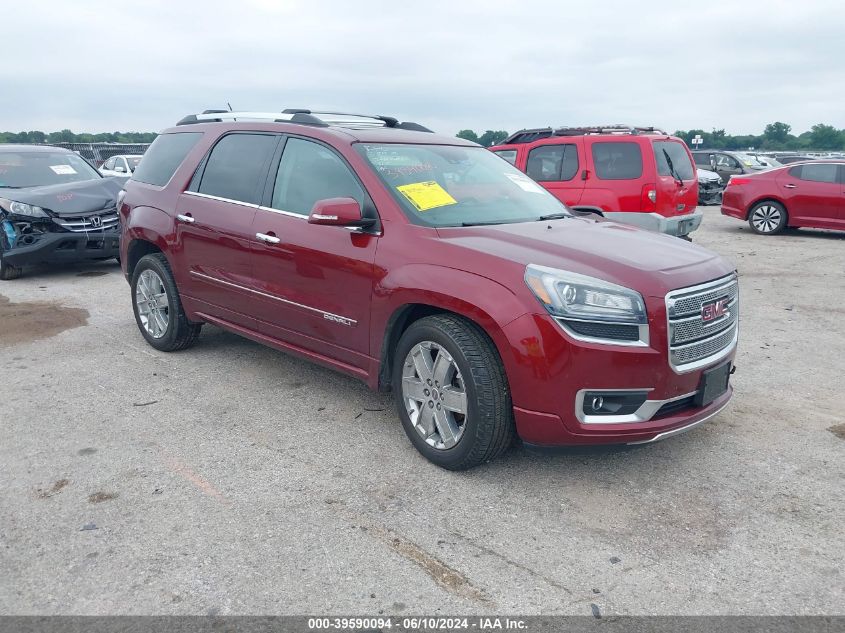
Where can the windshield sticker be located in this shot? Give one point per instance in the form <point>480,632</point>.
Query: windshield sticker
<point>525,183</point>
<point>63,170</point>
<point>426,195</point>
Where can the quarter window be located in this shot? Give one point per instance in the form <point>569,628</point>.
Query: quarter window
<point>164,156</point>
<point>236,165</point>
<point>309,172</point>
<point>823,172</point>
<point>553,162</point>
<point>618,160</point>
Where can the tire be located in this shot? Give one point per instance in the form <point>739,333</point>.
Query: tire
<point>9,272</point>
<point>767,218</point>
<point>686,238</point>
<point>160,317</point>
<point>486,428</point>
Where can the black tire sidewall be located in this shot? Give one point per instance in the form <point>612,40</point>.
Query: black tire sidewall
<point>780,227</point>
<point>457,455</point>
<point>168,341</point>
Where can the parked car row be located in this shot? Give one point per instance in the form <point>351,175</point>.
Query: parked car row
<point>427,266</point>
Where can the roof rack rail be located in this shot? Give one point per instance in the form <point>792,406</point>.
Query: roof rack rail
<point>306,117</point>
<point>529,135</point>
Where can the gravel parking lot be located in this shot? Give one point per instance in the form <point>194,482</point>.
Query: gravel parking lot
<point>233,479</point>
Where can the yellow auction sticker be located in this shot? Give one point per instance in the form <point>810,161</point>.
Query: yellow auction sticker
<point>426,195</point>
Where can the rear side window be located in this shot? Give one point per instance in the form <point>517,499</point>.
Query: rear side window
<point>824,172</point>
<point>508,154</point>
<point>164,156</point>
<point>309,172</point>
<point>702,159</point>
<point>618,160</point>
<point>664,151</point>
<point>552,162</point>
<point>236,165</point>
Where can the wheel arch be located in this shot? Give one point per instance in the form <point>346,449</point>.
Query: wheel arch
<point>138,248</point>
<point>767,198</point>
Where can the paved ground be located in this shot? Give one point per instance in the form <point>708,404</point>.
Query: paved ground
<point>234,479</point>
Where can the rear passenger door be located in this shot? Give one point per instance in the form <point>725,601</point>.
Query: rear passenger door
<point>214,225</point>
<point>813,194</point>
<point>558,168</point>
<point>315,282</point>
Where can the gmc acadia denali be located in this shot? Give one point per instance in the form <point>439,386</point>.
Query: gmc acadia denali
<point>428,266</point>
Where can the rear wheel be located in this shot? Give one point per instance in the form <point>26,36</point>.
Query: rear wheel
<point>158,308</point>
<point>9,272</point>
<point>767,218</point>
<point>452,393</point>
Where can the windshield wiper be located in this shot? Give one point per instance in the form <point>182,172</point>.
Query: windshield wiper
<point>672,169</point>
<point>554,216</point>
<point>487,223</point>
<point>9,187</point>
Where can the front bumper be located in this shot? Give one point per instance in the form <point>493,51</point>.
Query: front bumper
<point>710,192</point>
<point>676,225</point>
<point>57,247</point>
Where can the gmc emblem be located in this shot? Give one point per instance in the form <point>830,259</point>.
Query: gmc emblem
<point>714,310</point>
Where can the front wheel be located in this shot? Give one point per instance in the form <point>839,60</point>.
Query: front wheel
<point>7,271</point>
<point>767,218</point>
<point>158,308</point>
<point>452,392</point>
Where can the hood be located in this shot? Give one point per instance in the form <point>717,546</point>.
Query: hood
<point>73,198</point>
<point>704,174</point>
<point>652,263</point>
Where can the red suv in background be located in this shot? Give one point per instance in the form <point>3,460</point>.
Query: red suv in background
<point>810,194</point>
<point>638,176</point>
<point>426,265</point>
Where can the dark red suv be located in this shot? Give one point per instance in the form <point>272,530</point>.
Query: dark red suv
<point>427,265</point>
<point>635,175</point>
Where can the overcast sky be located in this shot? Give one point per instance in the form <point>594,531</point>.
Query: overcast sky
<point>140,65</point>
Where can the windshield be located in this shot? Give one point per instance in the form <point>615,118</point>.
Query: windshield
<point>444,185</point>
<point>749,161</point>
<point>36,169</point>
<point>133,161</point>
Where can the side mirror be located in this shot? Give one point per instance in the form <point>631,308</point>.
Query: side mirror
<point>339,212</point>
<point>120,168</point>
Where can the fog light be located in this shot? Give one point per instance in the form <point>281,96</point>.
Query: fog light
<point>613,402</point>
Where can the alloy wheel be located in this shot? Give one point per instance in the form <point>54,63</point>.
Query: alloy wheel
<point>153,305</point>
<point>434,394</point>
<point>766,218</point>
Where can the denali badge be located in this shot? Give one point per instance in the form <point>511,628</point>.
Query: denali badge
<point>714,310</point>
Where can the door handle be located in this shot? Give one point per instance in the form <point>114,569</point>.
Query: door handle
<point>269,239</point>
<point>790,186</point>
<point>185,218</point>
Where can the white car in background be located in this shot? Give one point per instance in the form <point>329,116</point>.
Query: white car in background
<point>122,165</point>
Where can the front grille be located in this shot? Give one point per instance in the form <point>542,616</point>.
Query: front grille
<point>675,406</point>
<point>694,342</point>
<point>86,223</point>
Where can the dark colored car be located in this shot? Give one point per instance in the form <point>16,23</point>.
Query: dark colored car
<point>787,160</point>
<point>634,175</point>
<point>426,265</point>
<point>54,208</point>
<point>728,164</point>
<point>798,195</point>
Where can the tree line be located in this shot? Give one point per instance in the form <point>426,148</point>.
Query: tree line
<point>66,136</point>
<point>775,136</point>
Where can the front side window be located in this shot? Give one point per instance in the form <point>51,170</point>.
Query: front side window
<point>822,172</point>
<point>236,165</point>
<point>552,162</point>
<point>666,152</point>
<point>164,156</point>
<point>447,185</point>
<point>508,154</point>
<point>309,172</point>
<point>723,161</point>
<point>109,164</point>
<point>617,160</point>
<point>37,169</point>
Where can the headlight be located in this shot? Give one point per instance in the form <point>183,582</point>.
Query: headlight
<point>588,308</point>
<point>21,208</point>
